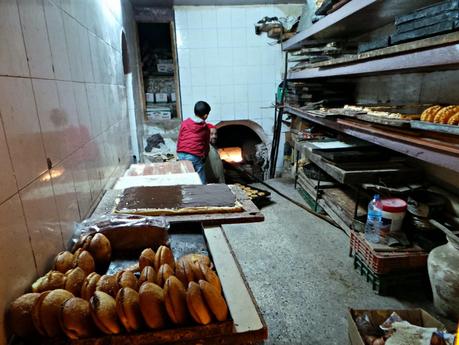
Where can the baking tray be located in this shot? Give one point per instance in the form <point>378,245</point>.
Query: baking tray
<point>435,127</point>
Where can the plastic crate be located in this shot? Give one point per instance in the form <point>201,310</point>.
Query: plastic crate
<point>386,262</point>
<point>383,284</point>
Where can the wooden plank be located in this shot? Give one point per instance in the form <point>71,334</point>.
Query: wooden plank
<point>241,303</point>
<point>404,137</point>
<point>429,59</point>
<point>430,42</point>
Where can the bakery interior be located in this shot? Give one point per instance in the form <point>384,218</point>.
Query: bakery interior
<point>334,215</point>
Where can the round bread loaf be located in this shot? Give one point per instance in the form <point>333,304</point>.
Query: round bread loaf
<point>454,120</point>
<point>196,305</point>
<point>214,300</point>
<point>148,274</point>
<point>84,260</point>
<point>89,285</point>
<point>75,318</point>
<point>165,271</point>
<point>101,251</point>
<point>63,261</point>
<point>50,281</point>
<point>429,113</point>
<point>211,277</point>
<point>74,280</point>
<point>151,298</point>
<point>103,312</point>
<point>127,279</point>
<point>20,315</point>
<point>147,258</point>
<point>128,309</point>
<point>45,312</point>
<point>108,284</point>
<point>175,300</point>
<point>444,114</point>
<point>164,256</point>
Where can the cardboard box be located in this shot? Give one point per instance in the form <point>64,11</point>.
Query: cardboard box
<point>161,97</point>
<point>418,317</point>
<point>149,97</point>
<point>165,68</point>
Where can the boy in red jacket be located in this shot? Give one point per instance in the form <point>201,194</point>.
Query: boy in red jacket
<point>193,139</point>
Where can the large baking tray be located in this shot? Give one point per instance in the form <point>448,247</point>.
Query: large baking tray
<point>435,127</point>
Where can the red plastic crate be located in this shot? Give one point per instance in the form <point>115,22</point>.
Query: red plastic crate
<point>386,262</point>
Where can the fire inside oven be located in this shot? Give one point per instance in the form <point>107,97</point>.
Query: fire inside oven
<point>239,146</point>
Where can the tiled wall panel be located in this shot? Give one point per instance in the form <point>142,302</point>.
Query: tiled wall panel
<point>222,61</point>
<point>62,102</point>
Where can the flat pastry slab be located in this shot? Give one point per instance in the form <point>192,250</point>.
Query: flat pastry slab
<point>179,199</point>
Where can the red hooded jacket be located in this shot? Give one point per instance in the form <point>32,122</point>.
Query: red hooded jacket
<point>193,138</point>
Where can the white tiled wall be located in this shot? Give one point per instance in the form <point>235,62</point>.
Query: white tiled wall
<point>62,98</point>
<point>223,62</point>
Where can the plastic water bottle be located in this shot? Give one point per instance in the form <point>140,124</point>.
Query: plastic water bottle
<point>374,220</point>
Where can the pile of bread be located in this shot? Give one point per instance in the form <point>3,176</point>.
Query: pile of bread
<point>444,115</point>
<point>73,299</point>
<point>251,192</point>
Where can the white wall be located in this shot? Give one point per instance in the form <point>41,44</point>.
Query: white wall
<point>62,97</point>
<point>223,62</point>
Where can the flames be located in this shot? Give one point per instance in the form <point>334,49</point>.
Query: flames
<point>231,154</point>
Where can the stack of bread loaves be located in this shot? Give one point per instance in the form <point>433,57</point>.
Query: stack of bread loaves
<point>74,300</point>
<point>444,115</point>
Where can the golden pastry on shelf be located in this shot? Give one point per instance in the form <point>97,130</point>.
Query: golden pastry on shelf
<point>20,315</point>
<point>151,298</point>
<point>444,114</point>
<point>429,114</point>
<point>103,311</point>
<point>75,318</point>
<point>128,309</point>
<point>454,120</point>
<point>175,300</point>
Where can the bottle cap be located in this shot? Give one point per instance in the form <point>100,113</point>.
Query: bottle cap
<point>394,205</point>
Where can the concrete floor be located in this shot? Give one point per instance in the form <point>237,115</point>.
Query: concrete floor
<point>301,275</point>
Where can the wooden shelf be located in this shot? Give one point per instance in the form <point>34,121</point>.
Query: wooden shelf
<point>430,59</point>
<point>355,18</point>
<point>407,142</point>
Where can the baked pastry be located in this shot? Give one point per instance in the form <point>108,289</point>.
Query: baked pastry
<point>74,280</point>
<point>164,272</point>
<point>175,300</point>
<point>45,312</point>
<point>188,267</point>
<point>196,304</point>
<point>84,260</point>
<point>89,285</point>
<point>98,245</point>
<point>128,309</point>
<point>164,256</point>
<point>108,284</point>
<point>211,277</point>
<point>454,120</point>
<point>443,115</point>
<point>75,318</point>
<point>20,315</point>
<point>214,300</point>
<point>148,274</point>
<point>63,261</point>
<point>429,113</point>
<point>147,258</point>
<point>127,279</point>
<point>50,281</point>
<point>151,298</point>
<point>103,312</point>
<point>198,258</point>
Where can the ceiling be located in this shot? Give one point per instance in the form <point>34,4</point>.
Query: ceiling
<point>169,3</point>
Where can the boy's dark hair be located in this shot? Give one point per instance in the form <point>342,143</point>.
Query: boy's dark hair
<point>201,108</point>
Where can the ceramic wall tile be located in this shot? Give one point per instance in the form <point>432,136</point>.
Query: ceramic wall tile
<point>36,38</point>
<point>81,181</point>
<point>22,129</point>
<point>7,179</point>
<point>42,219</point>
<point>13,61</point>
<point>84,115</point>
<point>51,119</point>
<point>18,271</point>
<point>69,117</point>
<point>66,198</point>
<point>57,41</point>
